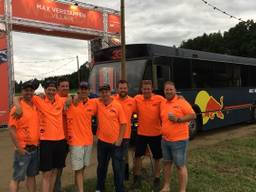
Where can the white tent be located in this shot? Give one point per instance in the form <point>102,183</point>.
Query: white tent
<point>40,89</point>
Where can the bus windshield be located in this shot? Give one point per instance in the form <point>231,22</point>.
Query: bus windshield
<point>110,73</point>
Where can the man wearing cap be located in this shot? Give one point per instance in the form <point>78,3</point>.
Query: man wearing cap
<point>149,130</point>
<point>128,104</point>
<point>52,137</point>
<point>24,133</point>
<point>111,129</point>
<point>176,112</point>
<point>80,136</point>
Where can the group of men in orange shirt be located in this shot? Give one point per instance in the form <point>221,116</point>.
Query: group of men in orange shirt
<point>163,126</point>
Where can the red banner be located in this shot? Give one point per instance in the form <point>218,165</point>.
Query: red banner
<point>1,7</point>
<point>3,80</point>
<point>58,13</point>
<point>114,24</point>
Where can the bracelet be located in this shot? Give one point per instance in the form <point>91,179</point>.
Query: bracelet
<point>179,120</point>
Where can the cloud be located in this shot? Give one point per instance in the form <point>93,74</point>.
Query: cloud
<point>166,22</point>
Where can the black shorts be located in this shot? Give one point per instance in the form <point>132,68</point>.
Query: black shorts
<point>154,143</point>
<point>52,154</point>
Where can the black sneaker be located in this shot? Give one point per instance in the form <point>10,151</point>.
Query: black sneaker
<point>156,184</point>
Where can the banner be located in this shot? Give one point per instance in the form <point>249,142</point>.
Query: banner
<point>4,90</point>
<point>114,24</point>
<point>1,7</point>
<point>58,13</point>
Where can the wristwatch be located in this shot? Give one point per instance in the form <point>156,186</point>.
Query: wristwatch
<point>178,120</point>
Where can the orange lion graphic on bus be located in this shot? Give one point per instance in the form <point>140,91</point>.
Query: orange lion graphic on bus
<point>209,106</point>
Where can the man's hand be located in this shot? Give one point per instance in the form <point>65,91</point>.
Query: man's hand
<point>172,117</point>
<point>22,151</point>
<point>118,143</point>
<point>18,113</point>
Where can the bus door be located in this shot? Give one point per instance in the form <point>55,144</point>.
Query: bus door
<point>161,72</point>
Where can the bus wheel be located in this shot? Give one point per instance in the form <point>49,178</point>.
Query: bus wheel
<point>193,128</point>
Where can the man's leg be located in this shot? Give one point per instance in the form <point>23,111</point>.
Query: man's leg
<point>117,165</point>
<point>31,184</point>
<point>179,153</point>
<point>53,179</point>
<point>14,186</point>
<point>125,147</point>
<point>140,149</point>
<point>79,179</point>
<point>167,159</point>
<point>57,185</point>
<point>103,156</point>
<point>46,177</point>
<point>167,176</point>
<point>183,178</point>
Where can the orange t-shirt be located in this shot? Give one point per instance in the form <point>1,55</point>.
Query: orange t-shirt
<point>110,118</point>
<point>128,105</point>
<point>64,116</point>
<point>27,127</point>
<point>173,131</point>
<point>51,118</point>
<point>148,111</point>
<point>79,126</point>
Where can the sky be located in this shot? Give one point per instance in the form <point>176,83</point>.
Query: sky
<point>165,22</point>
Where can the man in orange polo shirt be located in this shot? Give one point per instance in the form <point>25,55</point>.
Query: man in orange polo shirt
<point>79,131</point>
<point>149,130</point>
<point>111,129</point>
<point>176,112</point>
<point>63,92</point>
<point>24,133</point>
<point>128,104</point>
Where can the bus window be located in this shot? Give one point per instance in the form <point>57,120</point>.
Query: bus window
<point>182,73</point>
<point>161,72</point>
<point>248,75</point>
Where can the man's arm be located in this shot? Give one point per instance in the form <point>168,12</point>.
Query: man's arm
<point>121,135</point>
<point>18,112</point>
<point>12,131</point>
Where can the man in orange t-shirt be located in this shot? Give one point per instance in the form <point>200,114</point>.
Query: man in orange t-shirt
<point>111,129</point>
<point>149,130</point>
<point>79,132</point>
<point>128,104</point>
<point>24,133</point>
<point>176,112</point>
<point>63,92</point>
<point>52,137</point>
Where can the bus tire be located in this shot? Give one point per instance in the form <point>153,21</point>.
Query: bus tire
<point>193,128</point>
<point>253,114</point>
<point>196,124</point>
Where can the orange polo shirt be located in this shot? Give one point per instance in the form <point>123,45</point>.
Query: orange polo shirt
<point>79,126</point>
<point>27,127</point>
<point>128,105</point>
<point>110,118</point>
<point>173,131</point>
<point>64,116</point>
<point>148,111</point>
<point>51,118</point>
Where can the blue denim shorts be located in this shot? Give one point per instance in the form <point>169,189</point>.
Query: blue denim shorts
<point>25,165</point>
<point>175,152</point>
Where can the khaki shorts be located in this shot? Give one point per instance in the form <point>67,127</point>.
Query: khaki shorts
<point>80,156</point>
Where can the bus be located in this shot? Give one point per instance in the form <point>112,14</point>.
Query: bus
<point>221,88</point>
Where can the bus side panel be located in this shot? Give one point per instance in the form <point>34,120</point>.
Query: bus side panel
<point>222,106</point>
<point>4,92</point>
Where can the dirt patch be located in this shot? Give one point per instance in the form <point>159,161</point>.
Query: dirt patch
<point>203,139</point>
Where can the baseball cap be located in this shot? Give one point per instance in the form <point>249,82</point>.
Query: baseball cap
<point>49,83</point>
<point>84,84</point>
<point>105,87</point>
<point>33,84</point>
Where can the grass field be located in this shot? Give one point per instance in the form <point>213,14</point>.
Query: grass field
<point>229,166</point>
